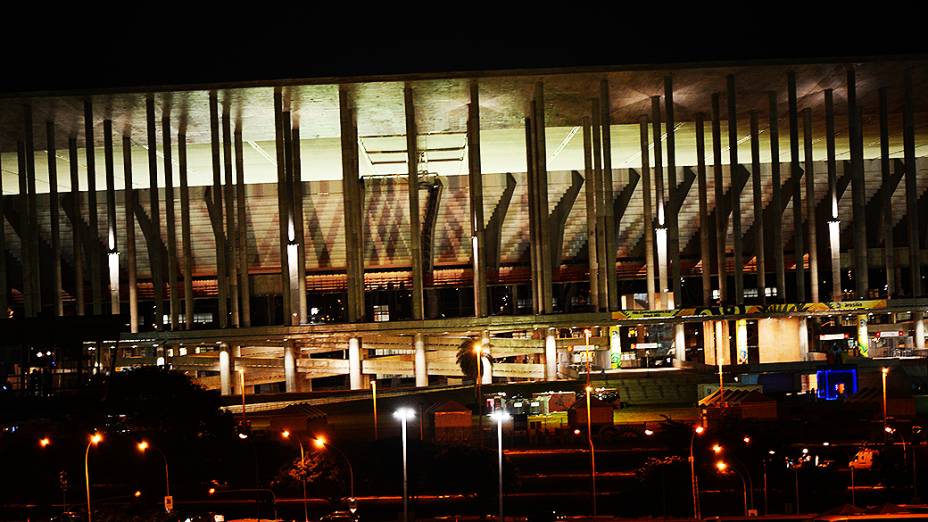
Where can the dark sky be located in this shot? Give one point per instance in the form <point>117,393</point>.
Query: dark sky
<point>251,42</point>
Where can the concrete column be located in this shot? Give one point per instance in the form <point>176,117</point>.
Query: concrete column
<point>129,204</point>
<point>4,288</point>
<point>911,189</point>
<point>735,192</point>
<point>415,243</point>
<point>91,242</point>
<point>661,230</point>
<point>708,342</point>
<point>679,340</point>
<point>889,254</point>
<point>648,219</point>
<point>112,252</point>
<point>421,362</point>
<point>32,229</point>
<point>834,224</point>
<point>811,218</point>
<point>217,206</point>
<point>758,196</point>
<point>673,229</point>
<point>541,176</point>
<point>705,257</point>
<point>283,211</point>
<point>486,376</point>
<point>76,241</point>
<point>354,363</point>
<point>155,217</point>
<point>243,287</point>
<point>291,267</point>
<point>589,182</point>
<point>297,180</point>
<point>776,201</point>
<point>608,265</point>
<point>169,222</point>
<point>290,373</point>
<point>803,339</point>
<point>601,262</point>
<point>351,198</point>
<point>796,177</point>
<point>235,354</point>
<point>475,191</point>
<point>741,340</point>
<point>919,319</point>
<point>721,217</point>
<point>53,214</point>
<point>186,244</point>
<point>863,337</point>
<point>858,189</point>
<point>551,355</point>
<point>225,371</point>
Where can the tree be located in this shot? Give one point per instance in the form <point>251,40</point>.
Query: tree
<point>467,360</point>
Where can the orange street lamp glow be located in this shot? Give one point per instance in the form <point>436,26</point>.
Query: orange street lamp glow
<point>211,491</point>
<point>96,438</point>
<point>721,465</point>
<point>717,449</point>
<point>44,441</point>
<point>319,441</point>
<point>746,439</point>
<point>648,432</point>
<point>138,493</point>
<point>142,446</point>
<point>699,430</point>
<point>285,434</point>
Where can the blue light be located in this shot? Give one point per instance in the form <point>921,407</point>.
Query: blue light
<point>830,381</point>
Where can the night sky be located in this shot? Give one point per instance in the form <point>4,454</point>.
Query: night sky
<point>131,47</point>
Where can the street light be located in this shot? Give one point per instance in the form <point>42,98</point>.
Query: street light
<point>44,442</point>
<point>404,414</point>
<point>500,416</point>
<point>589,438</point>
<point>723,467</point>
<point>286,435</point>
<point>905,459</point>
<point>94,439</point>
<point>321,442</point>
<point>884,372</point>
<point>143,446</point>
<point>698,430</point>
<point>716,449</point>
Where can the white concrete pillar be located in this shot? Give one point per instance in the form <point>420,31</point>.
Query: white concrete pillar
<point>486,375</point>
<point>863,336</point>
<point>236,352</point>
<point>225,372</point>
<point>354,363</point>
<point>803,339</point>
<point>741,340</point>
<point>919,330</point>
<point>679,340</point>
<point>721,347</point>
<point>708,342</point>
<point>421,362</point>
<point>550,355</point>
<point>290,368</point>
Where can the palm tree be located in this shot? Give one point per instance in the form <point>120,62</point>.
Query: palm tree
<point>468,361</point>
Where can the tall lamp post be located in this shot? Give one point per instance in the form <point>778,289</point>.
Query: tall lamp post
<point>143,446</point>
<point>321,442</point>
<point>286,435</point>
<point>695,485</point>
<point>500,416</point>
<point>884,371</point>
<point>589,438</point>
<point>95,439</point>
<point>722,466</point>
<point>404,414</point>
